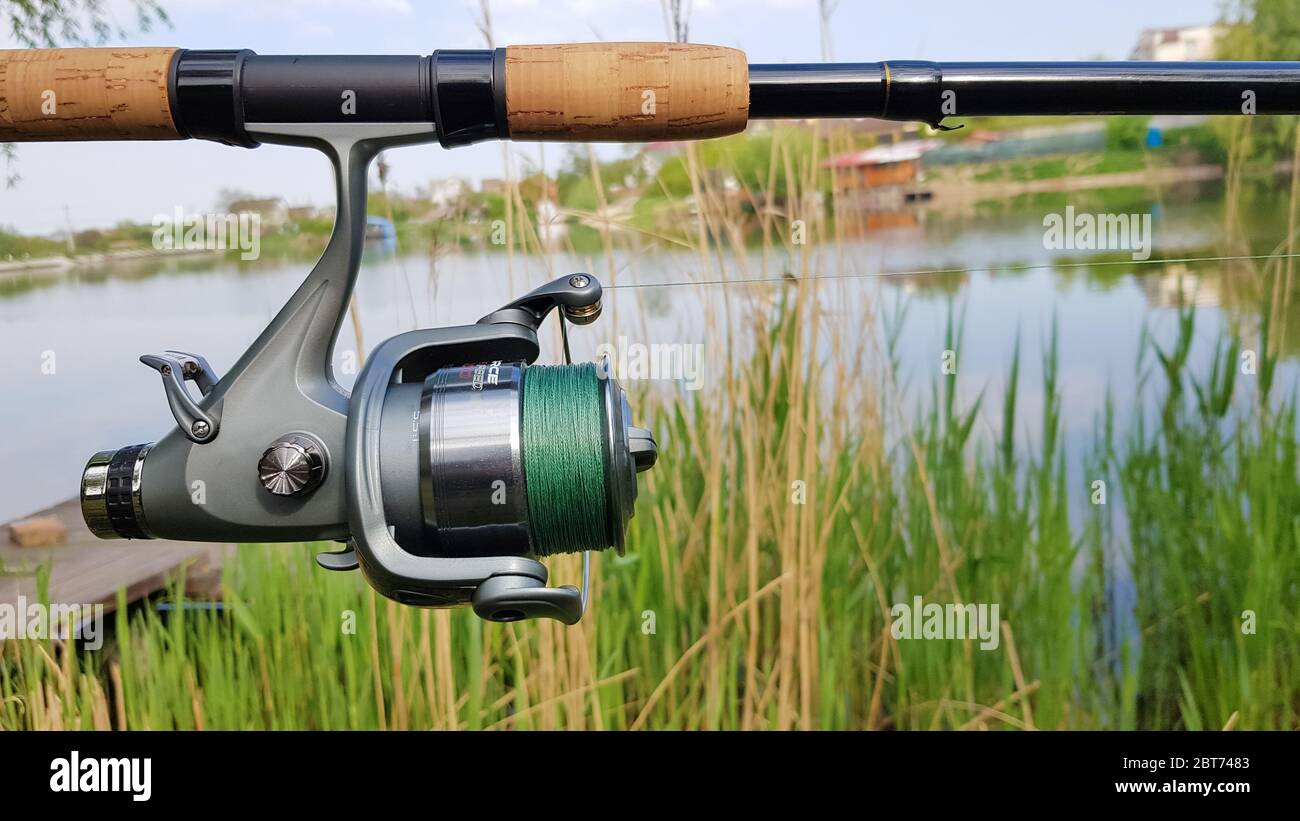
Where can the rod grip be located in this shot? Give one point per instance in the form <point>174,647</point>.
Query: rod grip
<point>85,94</point>
<point>625,92</point>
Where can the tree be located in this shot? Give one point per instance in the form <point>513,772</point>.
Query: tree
<point>677,15</point>
<point>51,23</point>
<point>1264,30</point>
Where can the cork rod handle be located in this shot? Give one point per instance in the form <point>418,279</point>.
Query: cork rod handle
<point>625,92</point>
<point>85,94</point>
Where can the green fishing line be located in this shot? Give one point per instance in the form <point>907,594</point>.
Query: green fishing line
<point>564,463</point>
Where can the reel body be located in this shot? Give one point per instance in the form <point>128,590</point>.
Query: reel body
<point>453,465</point>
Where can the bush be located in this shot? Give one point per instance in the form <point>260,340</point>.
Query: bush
<point>1126,133</point>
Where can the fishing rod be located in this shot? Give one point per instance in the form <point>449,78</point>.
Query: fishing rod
<point>456,462</point>
<point>619,92</point>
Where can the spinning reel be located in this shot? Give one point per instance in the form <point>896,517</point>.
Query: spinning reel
<point>453,465</point>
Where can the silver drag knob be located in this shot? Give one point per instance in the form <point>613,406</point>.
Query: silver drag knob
<point>112,502</point>
<point>293,465</point>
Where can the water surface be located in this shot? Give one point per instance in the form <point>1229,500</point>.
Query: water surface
<point>94,325</point>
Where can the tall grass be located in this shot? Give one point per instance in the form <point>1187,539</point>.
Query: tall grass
<point>1214,510</point>
<point>798,497</point>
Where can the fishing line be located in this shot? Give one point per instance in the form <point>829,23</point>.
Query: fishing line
<point>940,271</point>
<point>586,554</point>
<point>563,440</point>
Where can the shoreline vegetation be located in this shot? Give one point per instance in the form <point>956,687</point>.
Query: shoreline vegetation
<point>649,194</point>
<point>790,510</point>
<point>65,263</point>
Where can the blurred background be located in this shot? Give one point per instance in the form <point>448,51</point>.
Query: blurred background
<point>1101,444</point>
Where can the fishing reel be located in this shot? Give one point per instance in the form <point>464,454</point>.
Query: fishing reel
<point>454,465</point>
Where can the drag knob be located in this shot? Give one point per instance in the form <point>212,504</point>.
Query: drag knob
<point>293,465</point>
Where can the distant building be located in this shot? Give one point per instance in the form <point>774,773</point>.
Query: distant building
<point>1177,286</point>
<point>652,156</point>
<point>447,195</point>
<point>1186,43</point>
<point>381,233</point>
<point>884,178</point>
<point>551,223</point>
<point>302,213</point>
<point>883,130</point>
<point>273,213</point>
<point>492,185</point>
<point>882,165</point>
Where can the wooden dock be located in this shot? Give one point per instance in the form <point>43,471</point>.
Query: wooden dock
<point>88,570</point>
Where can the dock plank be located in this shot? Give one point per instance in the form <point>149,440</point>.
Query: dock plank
<point>88,570</point>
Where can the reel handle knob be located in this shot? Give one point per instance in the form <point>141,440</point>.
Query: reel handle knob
<point>293,465</point>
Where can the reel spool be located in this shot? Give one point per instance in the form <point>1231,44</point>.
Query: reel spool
<point>511,458</point>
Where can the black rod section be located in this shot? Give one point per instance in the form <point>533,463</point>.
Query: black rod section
<point>215,94</point>
<point>928,92</point>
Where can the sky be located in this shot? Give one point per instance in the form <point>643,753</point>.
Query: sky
<point>91,185</point>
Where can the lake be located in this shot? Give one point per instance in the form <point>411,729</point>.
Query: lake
<point>70,383</point>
